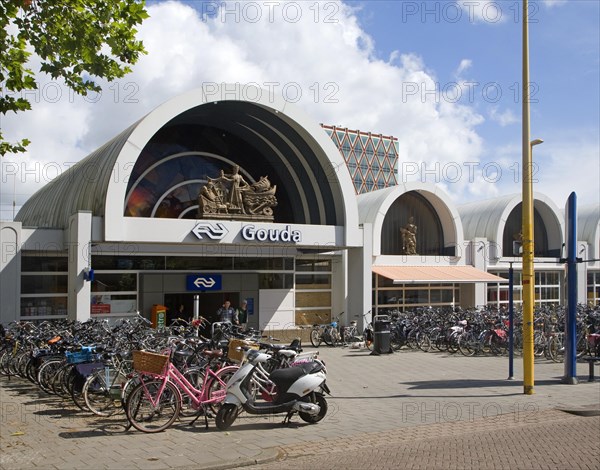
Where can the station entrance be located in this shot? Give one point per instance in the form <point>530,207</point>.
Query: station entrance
<point>208,304</point>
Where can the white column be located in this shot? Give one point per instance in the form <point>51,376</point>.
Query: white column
<point>360,261</point>
<point>10,271</point>
<point>79,236</point>
<point>479,260</point>
<point>583,252</point>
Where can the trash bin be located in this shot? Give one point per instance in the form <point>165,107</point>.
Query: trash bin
<point>382,335</point>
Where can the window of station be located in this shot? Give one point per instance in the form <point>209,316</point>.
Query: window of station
<point>189,263</point>
<point>41,307</point>
<point>593,288</point>
<point>44,286</point>
<point>387,295</point>
<point>275,281</point>
<point>547,288</point>
<point>313,291</point>
<point>142,263</point>
<point>429,234</point>
<point>512,233</point>
<point>114,293</point>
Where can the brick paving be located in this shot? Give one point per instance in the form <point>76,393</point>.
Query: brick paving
<point>405,410</point>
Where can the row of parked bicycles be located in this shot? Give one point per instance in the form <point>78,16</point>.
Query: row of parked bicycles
<point>157,377</point>
<point>470,331</point>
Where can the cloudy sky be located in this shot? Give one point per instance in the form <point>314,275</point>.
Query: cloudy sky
<point>443,77</point>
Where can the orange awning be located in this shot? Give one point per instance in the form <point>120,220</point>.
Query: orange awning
<point>424,274</point>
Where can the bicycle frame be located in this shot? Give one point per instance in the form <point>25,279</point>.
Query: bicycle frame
<point>199,397</point>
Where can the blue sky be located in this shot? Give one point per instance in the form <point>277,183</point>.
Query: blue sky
<point>449,89</point>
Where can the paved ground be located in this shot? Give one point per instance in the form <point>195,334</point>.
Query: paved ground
<point>405,410</point>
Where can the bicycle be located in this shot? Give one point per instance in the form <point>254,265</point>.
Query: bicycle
<point>327,333</point>
<point>153,405</point>
<point>102,389</point>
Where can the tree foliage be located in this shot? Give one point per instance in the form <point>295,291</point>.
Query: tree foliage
<point>78,41</point>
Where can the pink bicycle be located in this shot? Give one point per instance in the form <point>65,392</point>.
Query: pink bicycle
<point>155,403</point>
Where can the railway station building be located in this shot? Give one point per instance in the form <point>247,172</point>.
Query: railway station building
<point>213,197</point>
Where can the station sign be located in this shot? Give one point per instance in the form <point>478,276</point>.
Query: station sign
<point>203,282</point>
<point>249,232</point>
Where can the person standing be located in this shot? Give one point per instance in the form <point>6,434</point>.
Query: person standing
<point>243,314</point>
<point>227,313</point>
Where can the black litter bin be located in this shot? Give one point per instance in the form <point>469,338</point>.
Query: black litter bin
<point>382,335</point>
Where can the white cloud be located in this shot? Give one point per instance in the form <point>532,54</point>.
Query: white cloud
<point>483,11</point>
<point>553,3</point>
<point>325,54</point>
<point>465,64</point>
<point>503,118</point>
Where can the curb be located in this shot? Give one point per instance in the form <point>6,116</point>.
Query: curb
<point>585,410</point>
<point>266,456</point>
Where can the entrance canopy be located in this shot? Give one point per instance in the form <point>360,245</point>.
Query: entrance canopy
<point>427,274</point>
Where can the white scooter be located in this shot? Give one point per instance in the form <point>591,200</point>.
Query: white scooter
<point>299,389</point>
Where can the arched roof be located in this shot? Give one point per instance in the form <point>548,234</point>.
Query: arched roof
<point>81,188</point>
<point>310,165</point>
<point>486,219</point>
<point>588,226</point>
<point>373,207</point>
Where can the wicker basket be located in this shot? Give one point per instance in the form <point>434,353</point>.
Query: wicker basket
<point>150,363</point>
<point>237,356</point>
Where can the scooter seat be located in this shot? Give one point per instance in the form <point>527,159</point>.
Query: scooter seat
<point>284,378</point>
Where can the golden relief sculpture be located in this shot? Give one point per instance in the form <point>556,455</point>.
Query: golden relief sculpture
<point>230,196</point>
<point>409,238</point>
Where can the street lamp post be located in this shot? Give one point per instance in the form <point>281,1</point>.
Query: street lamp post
<point>528,275</point>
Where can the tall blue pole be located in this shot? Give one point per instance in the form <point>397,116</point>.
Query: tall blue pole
<point>570,376</point>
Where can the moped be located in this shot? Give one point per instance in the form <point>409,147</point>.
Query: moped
<point>299,389</point>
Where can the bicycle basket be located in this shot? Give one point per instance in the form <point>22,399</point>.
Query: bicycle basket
<point>150,363</point>
<point>237,356</point>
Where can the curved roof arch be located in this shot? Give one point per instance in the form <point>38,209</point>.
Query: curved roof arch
<point>588,227</point>
<point>487,219</point>
<point>373,207</point>
<point>313,170</point>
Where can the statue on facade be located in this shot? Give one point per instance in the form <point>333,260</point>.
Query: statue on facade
<point>409,238</point>
<point>230,196</point>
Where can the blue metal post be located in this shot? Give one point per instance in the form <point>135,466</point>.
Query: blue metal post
<point>511,329</point>
<point>570,376</point>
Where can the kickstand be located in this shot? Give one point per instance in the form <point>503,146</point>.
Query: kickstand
<point>204,411</point>
<point>288,417</point>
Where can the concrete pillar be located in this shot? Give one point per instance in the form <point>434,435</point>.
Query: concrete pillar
<point>479,253</point>
<point>79,237</point>
<point>360,261</point>
<point>583,252</point>
<point>10,271</point>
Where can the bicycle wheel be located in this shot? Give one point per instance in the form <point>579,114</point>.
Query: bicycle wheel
<point>539,344</point>
<point>218,385</point>
<point>424,342</point>
<point>315,337</point>
<point>47,372</point>
<point>98,397</point>
<point>467,344</point>
<point>195,377</point>
<point>556,349</point>
<point>329,336</point>
<point>498,345</point>
<point>148,417</point>
<point>396,341</point>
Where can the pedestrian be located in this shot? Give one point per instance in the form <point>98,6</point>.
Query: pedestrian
<point>243,314</point>
<point>227,313</point>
